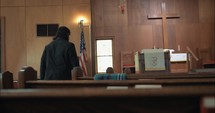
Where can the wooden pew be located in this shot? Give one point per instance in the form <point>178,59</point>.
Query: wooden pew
<point>79,76</point>
<point>27,79</point>
<point>102,100</point>
<point>82,96</point>
<point>159,76</point>
<point>6,80</point>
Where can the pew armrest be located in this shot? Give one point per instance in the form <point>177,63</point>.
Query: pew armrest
<point>6,80</point>
<point>76,72</point>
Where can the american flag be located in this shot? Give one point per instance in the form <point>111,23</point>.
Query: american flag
<point>83,55</point>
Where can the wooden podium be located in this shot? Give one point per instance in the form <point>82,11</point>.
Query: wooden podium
<point>140,63</point>
<point>179,63</point>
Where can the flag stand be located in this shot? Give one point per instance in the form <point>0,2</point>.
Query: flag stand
<point>83,55</point>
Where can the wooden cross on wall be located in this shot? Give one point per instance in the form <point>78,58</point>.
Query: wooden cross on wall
<point>164,16</point>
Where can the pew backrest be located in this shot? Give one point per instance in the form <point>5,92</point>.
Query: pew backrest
<point>25,74</point>
<point>76,72</point>
<point>6,80</point>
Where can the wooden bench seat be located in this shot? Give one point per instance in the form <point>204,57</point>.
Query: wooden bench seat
<point>102,100</point>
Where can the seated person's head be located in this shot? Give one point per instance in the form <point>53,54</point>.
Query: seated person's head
<point>127,71</point>
<point>109,70</point>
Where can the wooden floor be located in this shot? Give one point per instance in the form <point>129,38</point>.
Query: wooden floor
<point>103,100</point>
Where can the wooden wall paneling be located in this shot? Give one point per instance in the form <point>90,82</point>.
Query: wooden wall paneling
<point>2,43</point>
<point>206,35</point>
<point>130,39</point>
<point>110,12</point>
<point>97,17</point>
<point>93,40</point>
<point>98,31</point>
<point>43,2</point>
<point>207,25</point>
<point>116,55</point>
<point>15,40</point>
<point>171,8</point>
<point>155,9</point>
<point>75,2</point>
<point>122,19</point>
<point>125,40</point>
<point>36,45</point>
<point>70,14</point>
<point>207,11</point>
<point>172,36</point>
<point>207,39</point>
<point>157,36</point>
<point>111,31</point>
<point>140,37</point>
<point>193,36</point>
<point>213,27</point>
<point>137,12</point>
<point>187,35</point>
<point>188,11</point>
<point>181,36</point>
<point>12,2</point>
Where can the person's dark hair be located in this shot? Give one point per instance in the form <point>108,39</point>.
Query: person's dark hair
<point>109,70</point>
<point>63,32</point>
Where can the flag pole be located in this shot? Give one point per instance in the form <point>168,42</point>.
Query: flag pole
<point>83,55</point>
<point>81,25</point>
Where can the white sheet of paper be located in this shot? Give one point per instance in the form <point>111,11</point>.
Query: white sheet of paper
<point>117,87</point>
<point>141,86</point>
<point>178,57</point>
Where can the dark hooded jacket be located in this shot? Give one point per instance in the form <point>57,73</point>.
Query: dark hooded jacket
<point>59,57</point>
